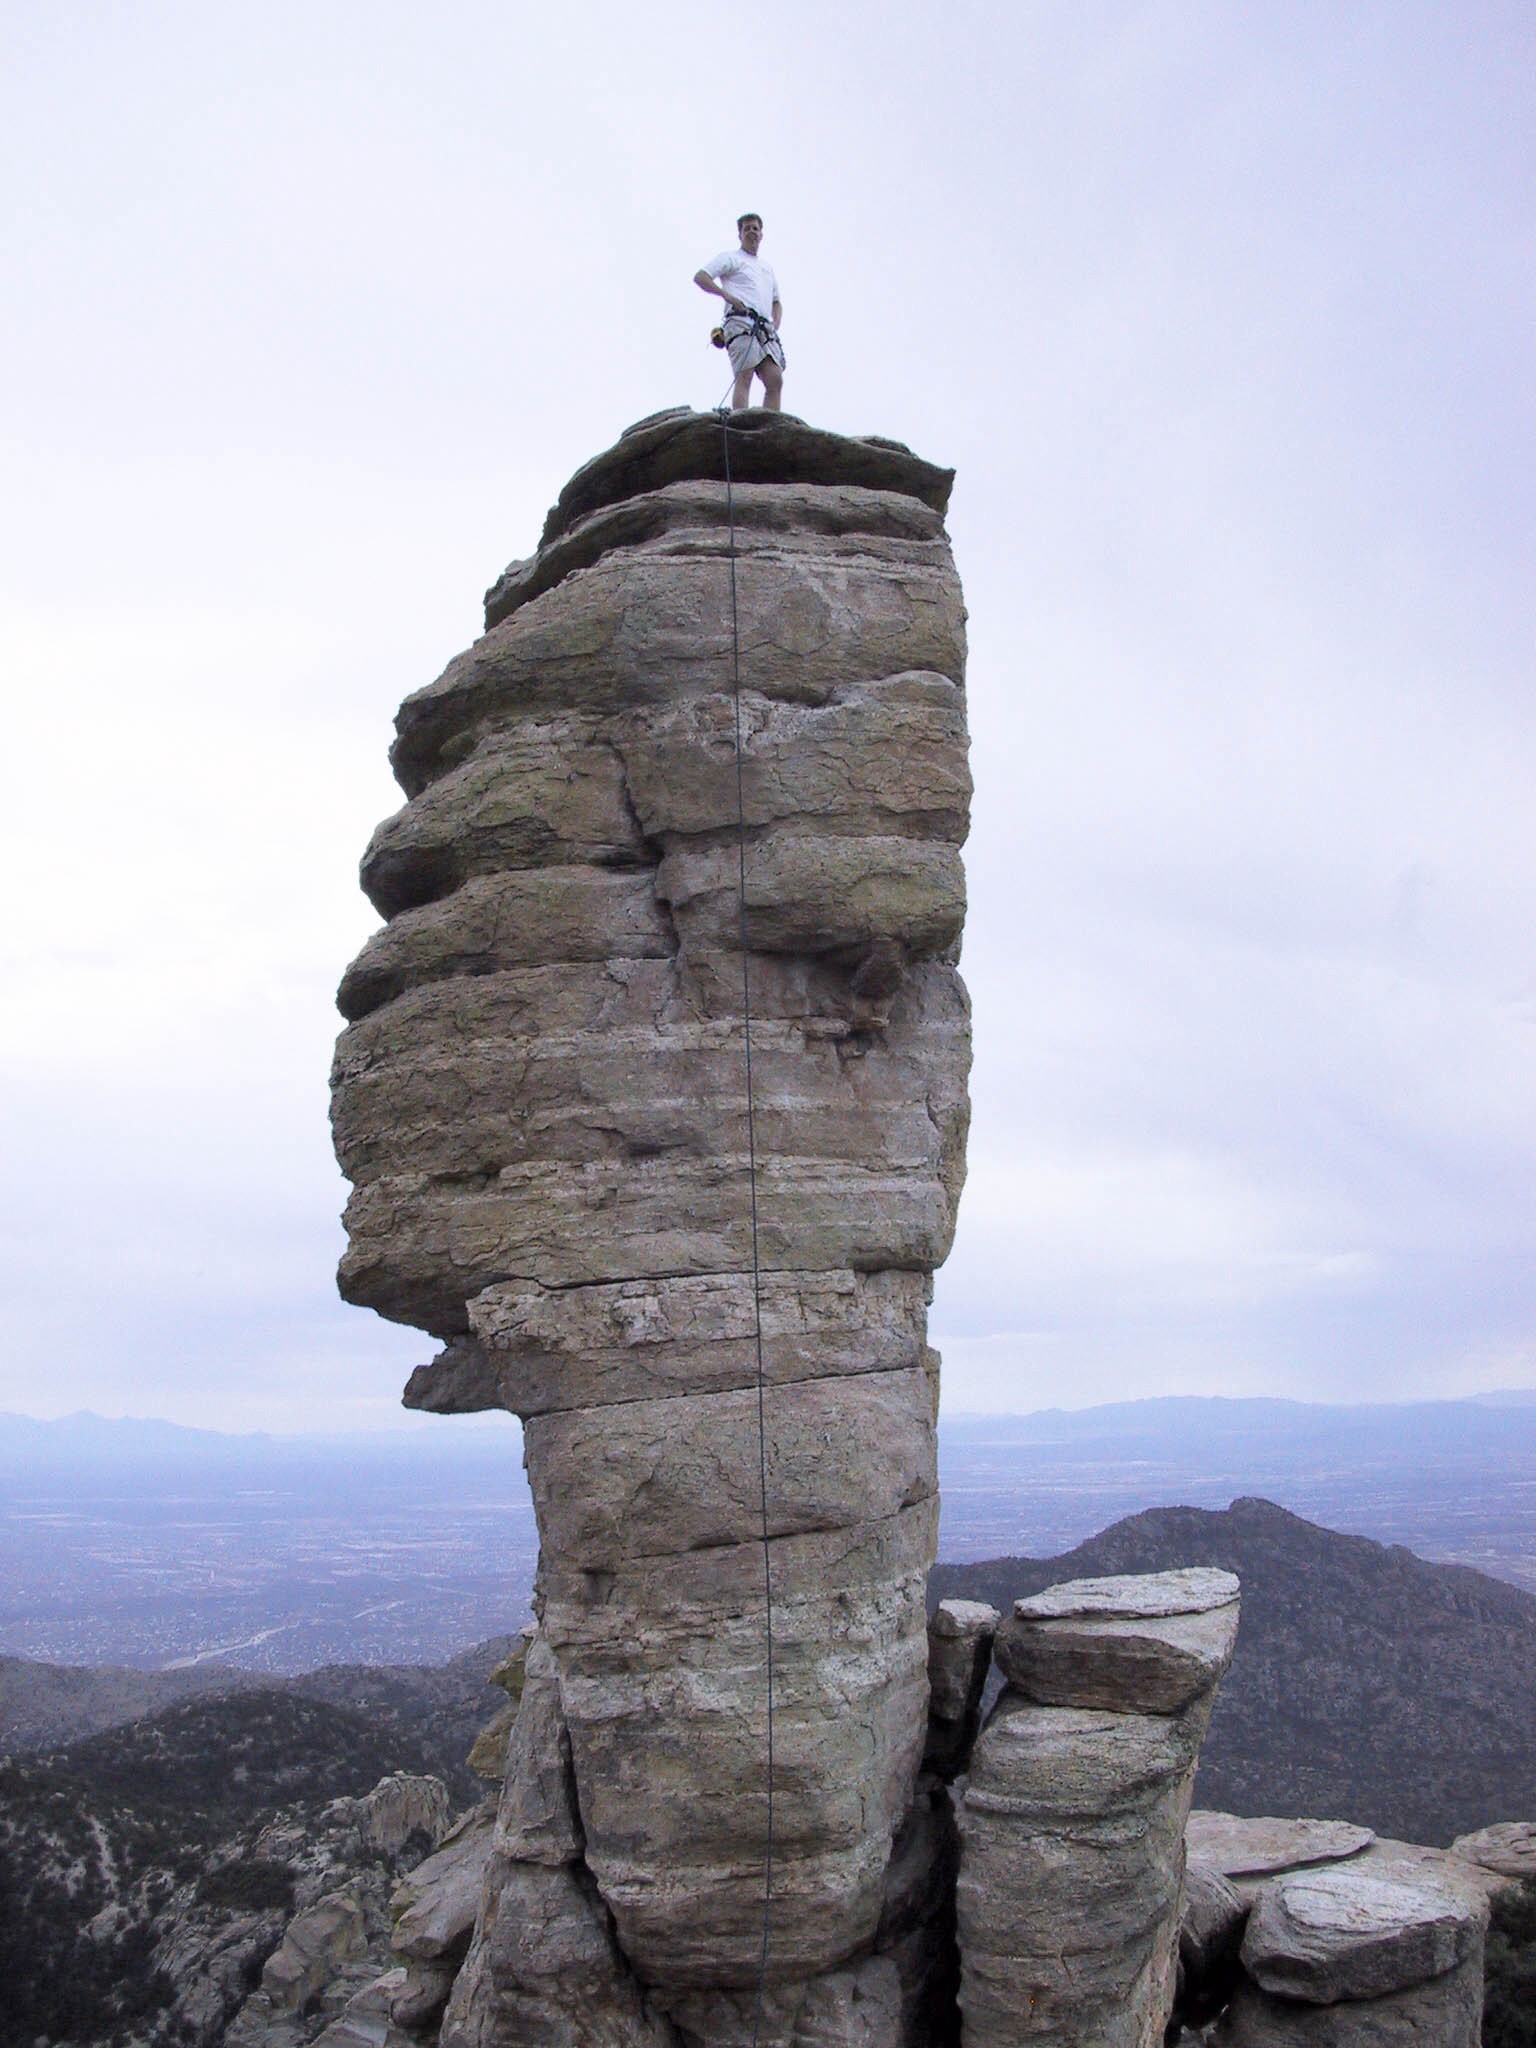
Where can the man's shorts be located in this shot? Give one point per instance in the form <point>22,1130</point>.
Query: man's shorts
<point>750,340</point>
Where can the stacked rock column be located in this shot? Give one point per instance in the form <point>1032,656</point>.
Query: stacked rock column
<point>1072,1820</point>
<point>541,1102</point>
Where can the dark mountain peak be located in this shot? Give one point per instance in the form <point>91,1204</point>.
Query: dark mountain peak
<point>1369,1685</point>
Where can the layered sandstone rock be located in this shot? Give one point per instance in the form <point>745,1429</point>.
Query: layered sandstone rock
<point>540,1099</point>
<point>1072,1822</point>
<point>1507,1849</point>
<point>1317,1932</point>
<point>1254,1853</point>
<point>1342,1958</point>
<point>1249,1852</point>
<point>960,1638</point>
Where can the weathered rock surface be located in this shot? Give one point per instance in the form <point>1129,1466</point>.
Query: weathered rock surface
<point>540,1099</point>
<point>1413,1863</point>
<point>1347,1938</point>
<point>1446,2013</point>
<point>1072,1821</point>
<point>434,1906</point>
<point>1331,1935</point>
<point>323,1971</point>
<point>545,1968</point>
<point>1210,1942</point>
<point>367,2019</point>
<point>1254,1853</point>
<point>1068,1898</point>
<point>773,448</point>
<point>1135,1645</point>
<point>401,1808</point>
<point>917,1919</point>
<point>1134,1596</point>
<point>1071,1858</point>
<point>1244,1849</point>
<point>331,1932</point>
<point>1345,1957</point>
<point>960,1639</point>
<point>1508,1848</point>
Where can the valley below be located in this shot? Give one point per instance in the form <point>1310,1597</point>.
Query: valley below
<point>160,1549</point>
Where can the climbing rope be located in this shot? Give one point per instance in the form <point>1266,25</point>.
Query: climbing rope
<point>757,1278</point>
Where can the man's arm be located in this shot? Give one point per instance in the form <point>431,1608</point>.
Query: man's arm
<point>706,283</point>
<point>778,311</point>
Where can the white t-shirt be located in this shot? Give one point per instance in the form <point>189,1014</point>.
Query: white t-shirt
<point>748,277</point>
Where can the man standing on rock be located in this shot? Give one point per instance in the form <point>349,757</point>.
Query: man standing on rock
<point>751,291</point>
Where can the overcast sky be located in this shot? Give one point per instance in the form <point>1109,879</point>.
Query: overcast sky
<point>1221,309</point>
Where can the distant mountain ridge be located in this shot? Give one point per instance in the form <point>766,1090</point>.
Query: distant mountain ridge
<point>1480,1420</point>
<point>89,1446</point>
<point>1368,1685</point>
<point>1498,1422</point>
<point>431,1713</point>
<point>372,1549</point>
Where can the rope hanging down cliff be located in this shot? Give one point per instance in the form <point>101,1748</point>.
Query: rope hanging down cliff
<point>757,1282</point>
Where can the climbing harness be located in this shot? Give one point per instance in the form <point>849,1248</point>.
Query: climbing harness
<point>762,327</point>
<point>757,1278</point>
<point>763,332</point>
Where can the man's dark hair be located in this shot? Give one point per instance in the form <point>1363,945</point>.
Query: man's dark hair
<point>743,218</point>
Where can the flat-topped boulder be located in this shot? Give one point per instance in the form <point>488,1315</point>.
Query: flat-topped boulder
<point>1412,1862</point>
<point>1329,1936</point>
<point>1243,1849</point>
<point>1508,1848</point>
<point>1133,1596</point>
<point>1146,1645</point>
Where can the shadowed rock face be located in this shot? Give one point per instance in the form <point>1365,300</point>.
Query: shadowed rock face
<point>540,1100</point>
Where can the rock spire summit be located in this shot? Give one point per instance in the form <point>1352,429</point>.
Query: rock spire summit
<point>540,1101</point>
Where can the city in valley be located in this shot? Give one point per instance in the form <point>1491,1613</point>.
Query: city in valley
<point>141,1545</point>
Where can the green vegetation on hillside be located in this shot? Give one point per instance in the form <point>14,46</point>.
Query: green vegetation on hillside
<point>106,1829</point>
<point>1509,2011</point>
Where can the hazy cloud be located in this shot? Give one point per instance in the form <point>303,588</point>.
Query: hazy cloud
<point>1222,315</point>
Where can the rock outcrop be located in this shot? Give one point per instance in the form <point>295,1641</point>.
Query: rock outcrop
<point>1318,1934</point>
<point>541,1101</point>
<point>1341,1958</point>
<point>1072,1821</point>
<point>961,1634</point>
<point>1508,1849</point>
<point>342,1864</point>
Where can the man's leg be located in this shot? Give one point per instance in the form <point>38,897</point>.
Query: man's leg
<point>773,384</point>
<point>741,391</point>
